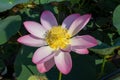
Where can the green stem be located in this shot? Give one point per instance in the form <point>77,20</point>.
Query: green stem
<point>60,76</point>
<point>103,65</point>
<point>81,5</point>
<point>19,33</point>
<point>2,50</point>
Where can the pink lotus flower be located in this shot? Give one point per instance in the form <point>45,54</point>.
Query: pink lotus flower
<point>56,41</point>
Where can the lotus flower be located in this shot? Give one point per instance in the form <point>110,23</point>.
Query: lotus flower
<point>55,42</point>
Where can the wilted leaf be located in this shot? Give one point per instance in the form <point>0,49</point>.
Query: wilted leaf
<point>104,51</point>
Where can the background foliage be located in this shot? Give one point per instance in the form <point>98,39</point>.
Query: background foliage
<point>102,63</point>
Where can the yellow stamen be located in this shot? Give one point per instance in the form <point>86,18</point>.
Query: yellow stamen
<point>57,37</point>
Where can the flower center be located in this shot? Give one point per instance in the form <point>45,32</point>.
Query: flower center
<point>57,37</point>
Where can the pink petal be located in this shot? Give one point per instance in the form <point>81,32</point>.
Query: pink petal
<point>78,24</point>
<point>81,51</point>
<point>48,20</point>
<point>69,20</point>
<point>30,40</point>
<point>42,54</point>
<point>83,42</point>
<point>46,66</point>
<point>67,49</point>
<point>63,62</point>
<point>35,29</point>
